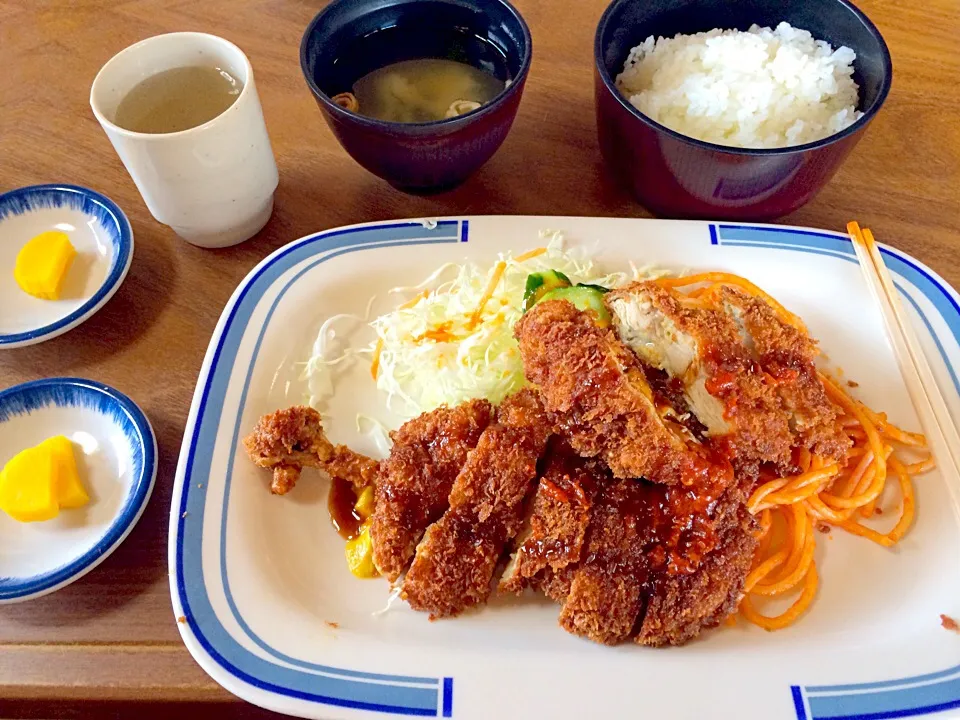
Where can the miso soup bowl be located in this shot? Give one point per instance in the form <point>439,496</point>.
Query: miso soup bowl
<point>415,157</point>
<point>678,176</point>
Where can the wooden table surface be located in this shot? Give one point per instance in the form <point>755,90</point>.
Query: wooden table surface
<point>110,639</point>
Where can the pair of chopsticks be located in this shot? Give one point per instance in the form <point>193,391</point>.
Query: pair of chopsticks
<point>942,437</point>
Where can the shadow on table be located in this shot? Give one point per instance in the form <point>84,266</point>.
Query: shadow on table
<point>81,710</point>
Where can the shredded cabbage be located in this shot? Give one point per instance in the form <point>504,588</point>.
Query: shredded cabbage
<point>437,352</point>
<point>327,354</point>
<point>436,348</point>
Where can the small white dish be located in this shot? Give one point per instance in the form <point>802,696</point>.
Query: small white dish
<point>116,455</point>
<point>102,237</point>
<point>269,609</point>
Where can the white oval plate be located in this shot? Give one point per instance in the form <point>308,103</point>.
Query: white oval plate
<point>268,608</point>
<point>102,237</point>
<point>116,458</point>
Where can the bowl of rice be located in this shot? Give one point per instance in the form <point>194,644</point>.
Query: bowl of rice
<point>719,110</point>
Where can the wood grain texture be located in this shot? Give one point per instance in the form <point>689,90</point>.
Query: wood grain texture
<point>112,636</point>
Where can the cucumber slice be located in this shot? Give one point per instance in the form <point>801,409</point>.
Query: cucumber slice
<point>583,297</point>
<point>538,284</point>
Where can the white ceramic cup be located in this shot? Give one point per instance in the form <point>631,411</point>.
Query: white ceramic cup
<point>214,183</point>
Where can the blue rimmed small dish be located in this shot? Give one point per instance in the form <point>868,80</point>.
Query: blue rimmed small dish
<point>97,229</point>
<point>116,453</point>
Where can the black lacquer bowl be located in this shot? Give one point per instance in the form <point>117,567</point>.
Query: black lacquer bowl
<point>342,44</point>
<point>677,176</point>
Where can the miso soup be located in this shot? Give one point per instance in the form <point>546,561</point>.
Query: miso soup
<point>424,90</point>
<point>423,69</point>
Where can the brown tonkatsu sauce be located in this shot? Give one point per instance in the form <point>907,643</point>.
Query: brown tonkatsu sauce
<point>340,502</point>
<point>576,490</point>
<point>678,528</point>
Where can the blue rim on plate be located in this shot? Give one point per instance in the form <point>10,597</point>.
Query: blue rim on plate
<point>110,217</point>
<point>71,391</point>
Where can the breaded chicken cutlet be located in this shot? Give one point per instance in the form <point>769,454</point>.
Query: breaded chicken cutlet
<point>606,588</point>
<point>748,376</point>
<point>623,557</point>
<point>679,607</point>
<point>682,604</point>
<point>787,355</point>
<point>700,347</point>
<point>553,535</point>
<point>660,564</point>
<point>456,560</point>
<point>414,482</point>
<point>600,401</point>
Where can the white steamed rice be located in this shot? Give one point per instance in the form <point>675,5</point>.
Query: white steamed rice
<point>757,89</point>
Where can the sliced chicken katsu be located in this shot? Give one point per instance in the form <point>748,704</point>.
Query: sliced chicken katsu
<point>680,605</point>
<point>606,589</point>
<point>414,482</point>
<point>786,355</point>
<point>701,348</point>
<point>286,441</point>
<point>554,532</point>
<point>456,559</point>
<point>640,532</point>
<point>596,392</point>
<point>555,584</point>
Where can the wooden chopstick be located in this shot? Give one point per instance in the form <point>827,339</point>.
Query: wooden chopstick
<point>938,425</point>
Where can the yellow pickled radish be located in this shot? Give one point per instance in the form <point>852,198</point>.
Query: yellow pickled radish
<point>43,263</point>
<point>364,505</point>
<point>27,486</point>
<point>359,553</point>
<point>41,480</point>
<point>68,487</point>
